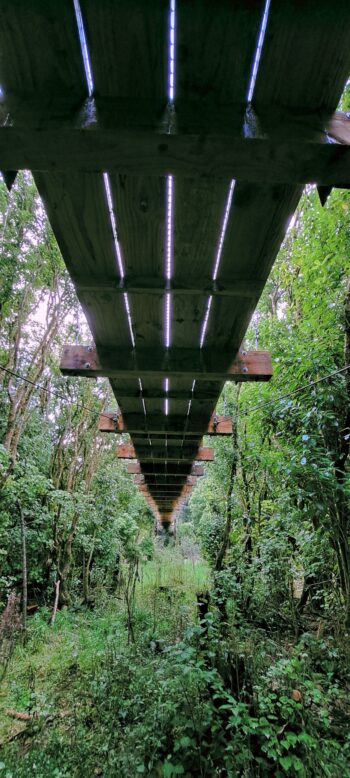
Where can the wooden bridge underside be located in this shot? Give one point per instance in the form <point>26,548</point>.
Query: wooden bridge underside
<point>211,141</point>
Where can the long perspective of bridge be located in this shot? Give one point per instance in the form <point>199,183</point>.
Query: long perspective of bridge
<point>170,141</point>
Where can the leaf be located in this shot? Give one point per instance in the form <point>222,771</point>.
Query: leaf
<point>286,762</point>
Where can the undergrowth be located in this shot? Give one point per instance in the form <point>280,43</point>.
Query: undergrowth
<point>182,700</point>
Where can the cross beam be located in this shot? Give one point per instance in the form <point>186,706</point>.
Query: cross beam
<point>206,364</point>
<point>158,423</point>
<point>240,287</point>
<point>276,146</point>
<point>164,470</point>
<point>202,454</point>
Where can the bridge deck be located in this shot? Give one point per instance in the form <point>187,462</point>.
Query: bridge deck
<point>153,194</point>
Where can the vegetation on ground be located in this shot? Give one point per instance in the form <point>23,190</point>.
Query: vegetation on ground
<point>221,649</point>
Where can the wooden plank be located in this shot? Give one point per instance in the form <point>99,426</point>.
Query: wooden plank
<point>240,287</point>
<point>223,156</point>
<point>257,225</point>
<point>188,454</point>
<point>165,492</point>
<point>126,451</point>
<point>305,60</point>
<point>40,49</point>
<point>159,489</point>
<point>110,421</point>
<point>200,394</point>
<point>219,425</point>
<point>134,468</point>
<point>215,49</point>
<point>128,46</point>
<point>174,441</point>
<point>171,469</point>
<point>139,479</point>
<point>175,482</point>
<point>206,364</point>
<point>128,49</point>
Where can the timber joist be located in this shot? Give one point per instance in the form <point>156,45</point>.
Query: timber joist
<point>169,203</point>
<point>200,364</point>
<point>160,454</point>
<point>137,423</point>
<point>270,146</point>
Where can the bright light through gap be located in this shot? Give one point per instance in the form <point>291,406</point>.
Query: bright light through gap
<point>169,254</point>
<point>217,259</point>
<point>108,190</point>
<point>166,401</point>
<point>258,51</point>
<point>223,229</point>
<point>171,50</point>
<point>170,180</point>
<point>169,226</point>
<point>127,308</point>
<point>205,322</point>
<point>84,48</point>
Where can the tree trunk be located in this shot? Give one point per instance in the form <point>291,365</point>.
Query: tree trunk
<point>24,568</point>
<point>86,572</point>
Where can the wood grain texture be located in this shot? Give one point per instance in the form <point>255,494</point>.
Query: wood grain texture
<point>205,363</point>
<point>39,49</point>
<point>306,55</point>
<point>111,422</point>
<point>219,156</point>
<point>205,139</point>
<point>128,46</point>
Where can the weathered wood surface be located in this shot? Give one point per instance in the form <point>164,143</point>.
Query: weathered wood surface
<point>188,454</point>
<point>133,468</point>
<point>208,137</point>
<point>305,60</point>
<point>239,287</point>
<point>112,422</point>
<point>169,470</point>
<point>257,160</point>
<point>196,363</point>
<point>40,50</point>
<point>126,451</point>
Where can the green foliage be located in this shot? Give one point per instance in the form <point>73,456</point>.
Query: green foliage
<point>129,681</point>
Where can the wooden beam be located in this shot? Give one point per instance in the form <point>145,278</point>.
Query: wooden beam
<point>168,489</point>
<point>111,421</point>
<point>219,425</point>
<point>170,478</point>
<point>166,437</point>
<point>156,393</point>
<point>133,467</point>
<point>158,423</point>
<point>157,286</point>
<point>201,364</point>
<point>126,451</point>
<point>187,455</point>
<point>169,469</point>
<point>117,135</point>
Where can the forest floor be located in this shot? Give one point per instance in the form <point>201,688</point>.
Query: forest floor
<point>52,677</point>
<point>179,700</point>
